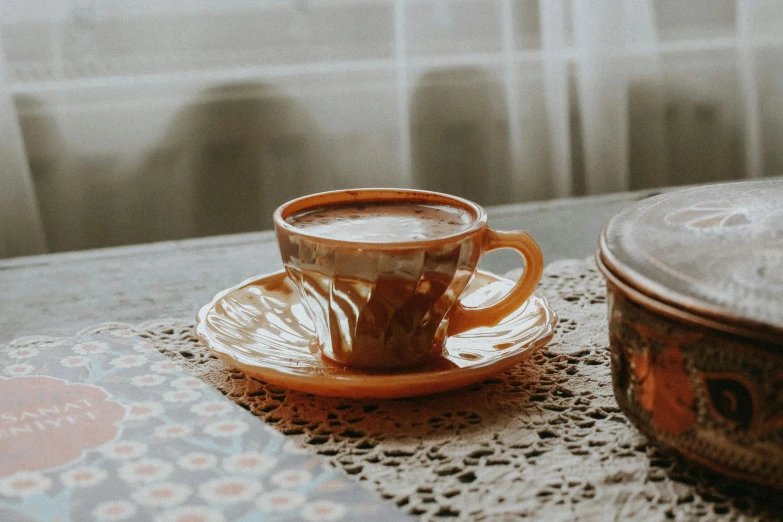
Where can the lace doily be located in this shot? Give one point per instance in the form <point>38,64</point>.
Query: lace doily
<point>544,441</point>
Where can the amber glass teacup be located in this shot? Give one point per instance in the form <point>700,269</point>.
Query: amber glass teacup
<point>381,271</point>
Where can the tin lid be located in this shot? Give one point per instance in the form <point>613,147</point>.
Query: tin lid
<point>714,252</point>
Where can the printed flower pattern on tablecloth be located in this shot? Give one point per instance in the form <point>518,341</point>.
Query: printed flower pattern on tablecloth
<point>332,486</point>
<point>280,501</point>
<point>114,510</point>
<point>165,367</point>
<point>322,511</point>
<point>197,461</point>
<point>178,450</point>
<point>22,353</point>
<point>148,379</point>
<point>90,348</point>
<point>163,494</point>
<point>292,478</point>
<point>249,463</point>
<point>191,514</point>
<point>172,431</point>
<point>128,361</point>
<point>124,333</point>
<point>143,347</point>
<point>212,408</point>
<point>145,471</point>
<point>124,450</point>
<point>144,410</point>
<point>74,361</point>
<point>228,428</point>
<point>190,383</point>
<point>24,484</point>
<point>181,396</point>
<point>19,369</point>
<point>230,490</point>
<point>83,477</point>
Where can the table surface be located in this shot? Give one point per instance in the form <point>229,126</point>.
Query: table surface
<point>60,294</point>
<point>544,439</point>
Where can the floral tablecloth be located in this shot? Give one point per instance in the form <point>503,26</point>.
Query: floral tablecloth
<point>103,427</point>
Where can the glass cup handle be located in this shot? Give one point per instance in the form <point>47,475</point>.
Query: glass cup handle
<point>462,318</point>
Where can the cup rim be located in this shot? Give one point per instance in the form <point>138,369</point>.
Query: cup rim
<point>337,197</point>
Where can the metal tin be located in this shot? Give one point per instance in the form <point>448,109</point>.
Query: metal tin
<point>695,292</point>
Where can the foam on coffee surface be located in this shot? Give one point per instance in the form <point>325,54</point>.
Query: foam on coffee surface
<point>383,222</point>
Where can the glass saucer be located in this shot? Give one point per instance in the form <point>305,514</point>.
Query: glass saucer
<point>262,328</point>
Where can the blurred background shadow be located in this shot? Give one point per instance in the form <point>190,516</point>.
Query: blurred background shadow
<point>678,137</point>
<point>71,187</point>
<point>223,164</point>
<point>227,161</point>
<point>459,135</point>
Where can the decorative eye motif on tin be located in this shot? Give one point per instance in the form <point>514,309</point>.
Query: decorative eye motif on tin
<point>732,400</point>
<point>711,214</point>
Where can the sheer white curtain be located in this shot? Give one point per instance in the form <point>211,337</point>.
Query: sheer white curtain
<point>613,42</point>
<point>133,120</point>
